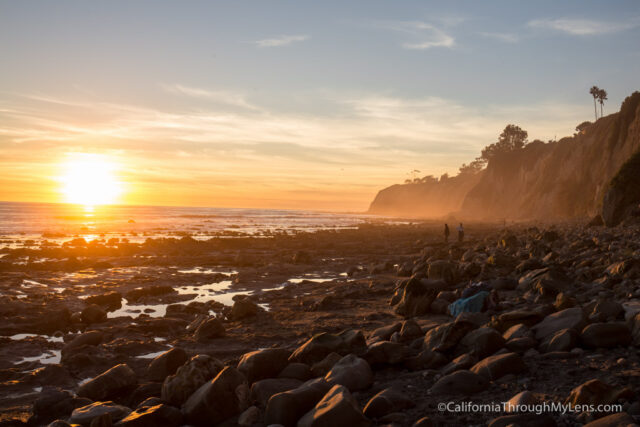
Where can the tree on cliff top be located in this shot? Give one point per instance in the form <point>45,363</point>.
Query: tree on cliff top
<point>583,126</point>
<point>594,91</point>
<point>602,96</point>
<point>472,168</point>
<point>511,138</point>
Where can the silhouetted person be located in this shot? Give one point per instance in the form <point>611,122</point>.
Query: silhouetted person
<point>446,233</point>
<point>460,233</point>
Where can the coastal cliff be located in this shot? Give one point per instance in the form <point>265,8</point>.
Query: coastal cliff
<point>567,179</point>
<point>424,200</point>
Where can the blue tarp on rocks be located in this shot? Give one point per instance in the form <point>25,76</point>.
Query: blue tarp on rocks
<point>473,304</point>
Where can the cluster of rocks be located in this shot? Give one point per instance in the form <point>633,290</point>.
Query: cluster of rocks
<point>564,328</point>
<point>309,386</point>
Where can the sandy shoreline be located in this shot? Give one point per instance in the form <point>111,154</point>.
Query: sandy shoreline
<point>329,281</point>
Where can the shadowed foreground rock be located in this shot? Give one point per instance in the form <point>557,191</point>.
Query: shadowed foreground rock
<point>116,380</point>
<point>337,408</point>
<point>189,377</point>
<point>218,400</point>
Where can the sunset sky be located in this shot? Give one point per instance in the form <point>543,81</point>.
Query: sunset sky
<point>310,105</point>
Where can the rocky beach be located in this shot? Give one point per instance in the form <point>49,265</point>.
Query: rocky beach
<point>319,214</point>
<point>340,327</point>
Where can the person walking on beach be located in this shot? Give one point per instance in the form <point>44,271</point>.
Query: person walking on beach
<point>460,233</point>
<point>446,233</point>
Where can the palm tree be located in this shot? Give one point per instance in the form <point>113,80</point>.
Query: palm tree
<point>594,91</point>
<point>602,96</point>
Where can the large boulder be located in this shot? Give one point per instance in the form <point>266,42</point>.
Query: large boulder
<point>86,414</point>
<point>109,384</point>
<point>522,400</point>
<point>621,419</point>
<point>446,337</point>
<point>110,300</point>
<point>261,391</point>
<point>298,371</point>
<point>337,408</point>
<point>595,392</point>
<point>443,270</point>
<point>387,401</point>
<point>384,333</point>
<point>320,345</point>
<point>461,362</point>
<point>606,310</point>
<point>53,403</point>
<point>261,364</point>
<point>563,340</point>
<point>570,318</point>
<point>481,342</point>
<point>516,317</point>
<point>90,338</point>
<point>93,314</point>
<point>426,359</point>
<point>152,416</point>
<point>611,334</point>
<point>321,368</point>
<point>517,331</point>
<point>526,282</point>
<point>287,407</point>
<point>217,400</point>
<point>409,331</point>
<point>149,291</point>
<point>417,296</point>
<point>460,382</point>
<point>166,364</point>
<point>385,353</point>
<point>209,329</point>
<point>494,367</point>
<point>243,309</point>
<point>551,283</point>
<point>189,377</point>
<point>351,372</point>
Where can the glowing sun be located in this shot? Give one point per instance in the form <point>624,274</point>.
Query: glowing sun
<point>89,180</point>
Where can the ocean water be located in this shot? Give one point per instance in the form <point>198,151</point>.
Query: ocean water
<point>20,222</point>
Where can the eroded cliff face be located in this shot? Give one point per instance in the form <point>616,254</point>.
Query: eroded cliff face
<point>426,200</point>
<point>561,180</point>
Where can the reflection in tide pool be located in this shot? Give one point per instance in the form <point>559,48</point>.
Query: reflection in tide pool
<point>202,270</point>
<point>316,278</point>
<point>152,355</point>
<point>307,279</point>
<point>31,284</point>
<point>19,337</point>
<point>46,358</point>
<point>205,293</point>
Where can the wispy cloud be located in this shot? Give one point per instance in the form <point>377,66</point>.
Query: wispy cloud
<point>424,34</point>
<point>503,37</point>
<point>583,27</point>
<point>218,96</point>
<point>280,41</point>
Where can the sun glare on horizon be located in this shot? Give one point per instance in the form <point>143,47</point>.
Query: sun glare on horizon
<point>89,180</point>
